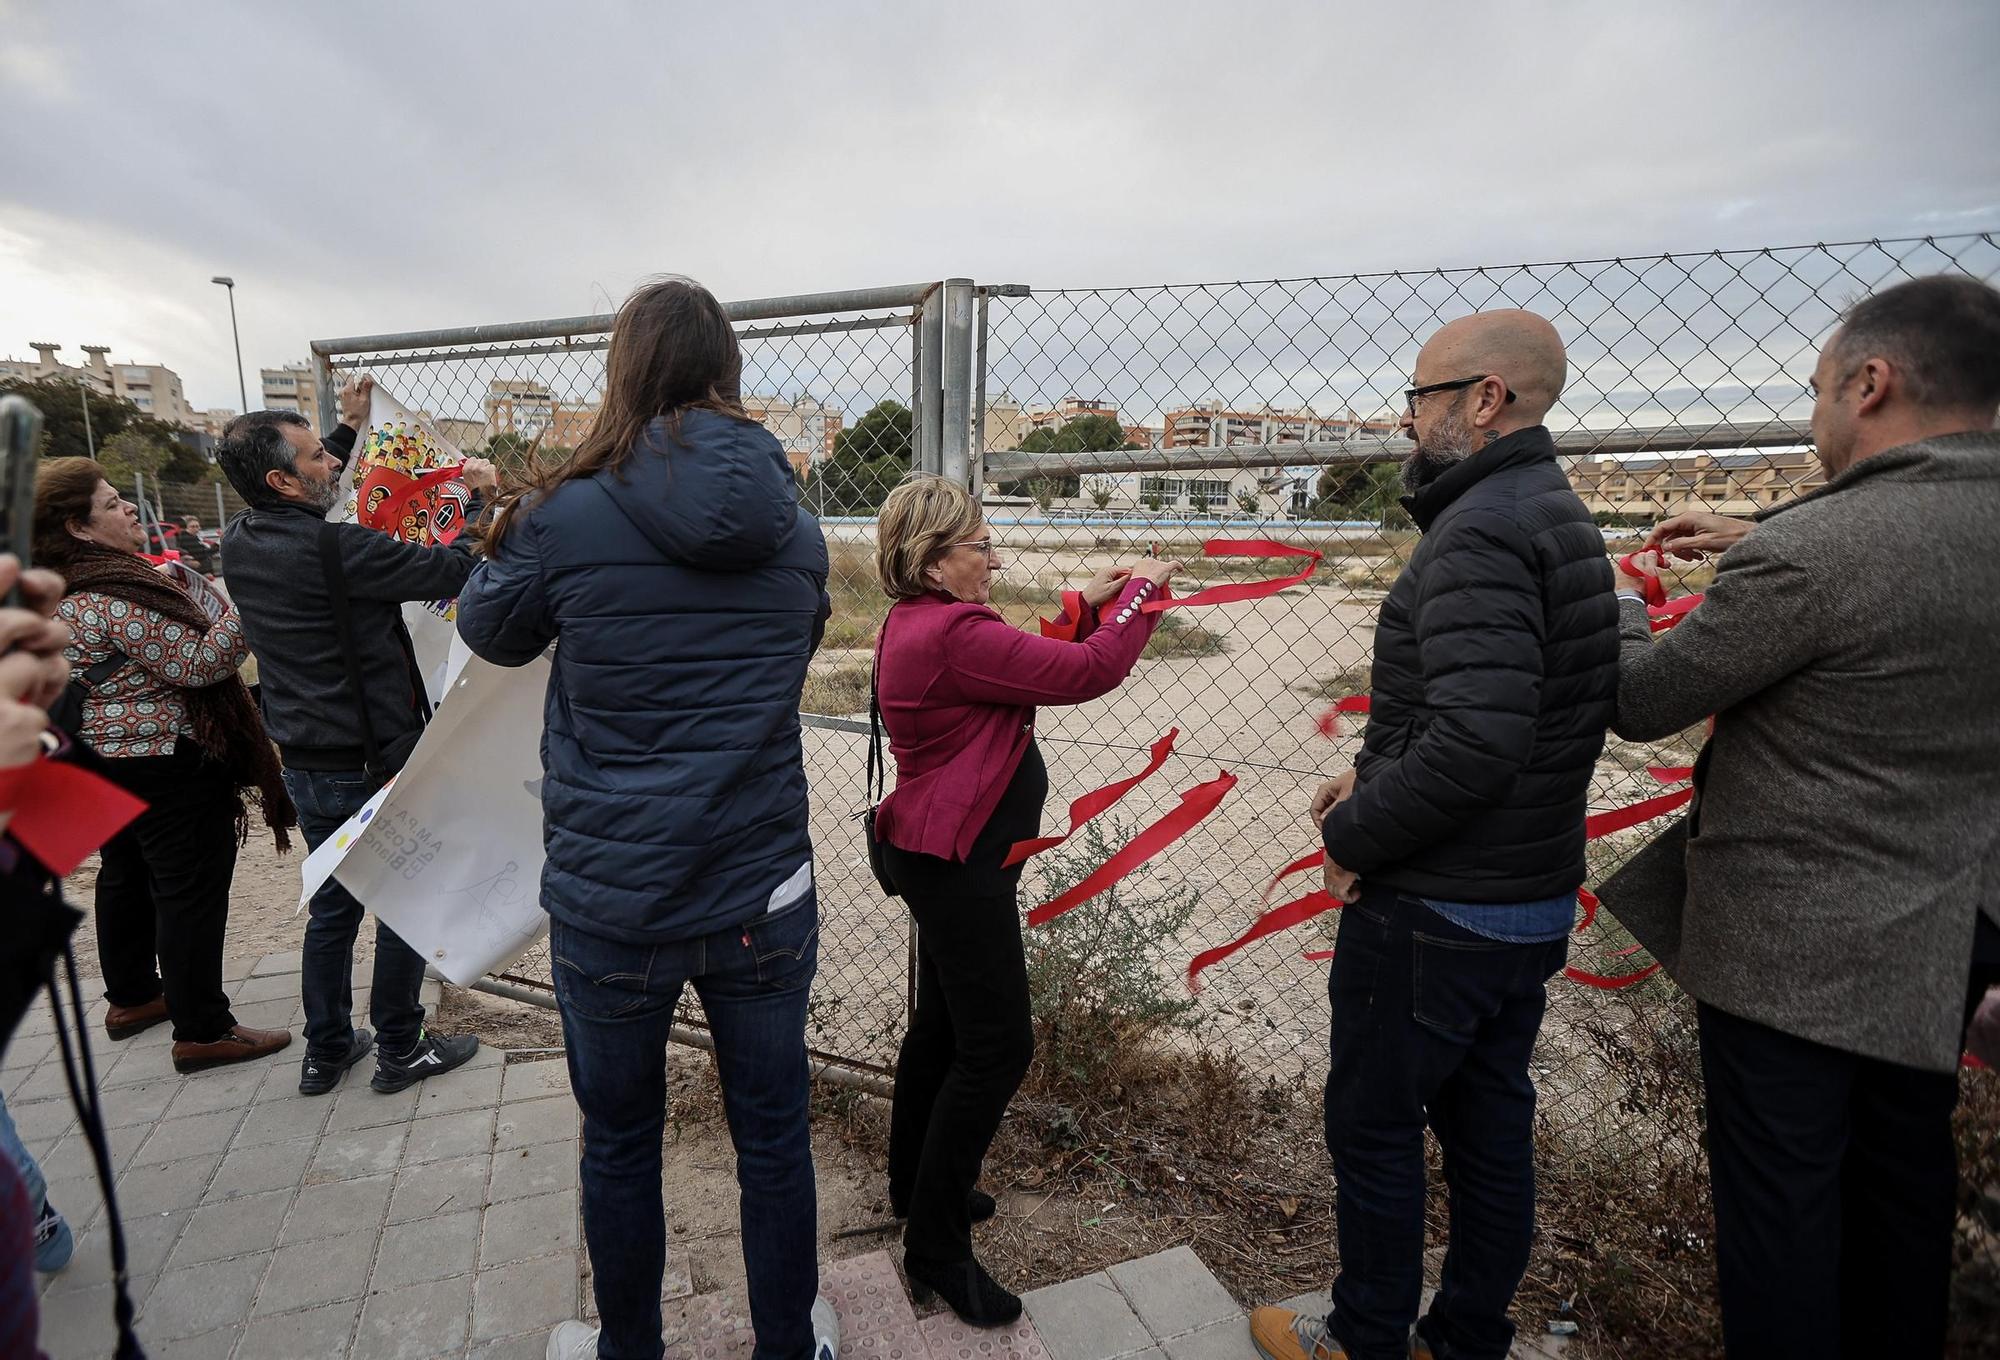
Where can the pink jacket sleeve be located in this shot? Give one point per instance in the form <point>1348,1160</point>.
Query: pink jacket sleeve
<point>995,662</point>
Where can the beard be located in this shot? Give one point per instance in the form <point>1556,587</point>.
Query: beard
<point>1449,444</point>
<point>322,496</point>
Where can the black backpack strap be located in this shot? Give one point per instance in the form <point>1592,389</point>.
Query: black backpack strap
<point>343,621</point>
<point>103,670</point>
<point>878,771</point>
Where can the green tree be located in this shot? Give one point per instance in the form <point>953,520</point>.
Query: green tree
<point>1100,494</point>
<point>1248,502</point>
<point>869,458</point>
<point>61,402</point>
<point>128,454</point>
<point>186,463</point>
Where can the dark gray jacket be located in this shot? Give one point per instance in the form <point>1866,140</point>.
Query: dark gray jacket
<point>1496,663</point>
<point>1847,811</point>
<point>273,565</point>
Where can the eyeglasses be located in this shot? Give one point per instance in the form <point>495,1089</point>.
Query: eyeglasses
<point>1410,395</point>
<point>985,546</point>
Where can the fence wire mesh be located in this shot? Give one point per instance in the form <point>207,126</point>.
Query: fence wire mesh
<point>1114,420</point>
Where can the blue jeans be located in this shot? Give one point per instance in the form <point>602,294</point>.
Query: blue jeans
<point>325,799</point>
<point>617,1002</point>
<point>1431,1024</point>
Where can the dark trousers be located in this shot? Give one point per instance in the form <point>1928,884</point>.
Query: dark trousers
<point>325,799</point>
<point>968,1045</point>
<point>1835,1180</point>
<point>617,1002</point>
<point>163,891</point>
<point>1434,1025</point>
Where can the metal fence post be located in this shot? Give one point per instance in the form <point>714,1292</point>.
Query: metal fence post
<point>221,512</point>
<point>955,407</point>
<point>927,420</point>
<point>329,412</point>
<point>979,401</point>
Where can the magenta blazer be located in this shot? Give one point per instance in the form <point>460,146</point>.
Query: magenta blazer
<point>958,686</point>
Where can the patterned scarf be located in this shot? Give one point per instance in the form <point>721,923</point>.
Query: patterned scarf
<point>227,726</point>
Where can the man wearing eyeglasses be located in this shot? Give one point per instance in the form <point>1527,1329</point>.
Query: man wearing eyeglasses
<point>1457,844</point>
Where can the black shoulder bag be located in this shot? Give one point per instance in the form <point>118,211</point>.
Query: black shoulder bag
<point>878,861</point>
<point>380,762</point>
<point>66,713</point>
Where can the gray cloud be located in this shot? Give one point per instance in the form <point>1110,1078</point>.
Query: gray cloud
<point>383,167</point>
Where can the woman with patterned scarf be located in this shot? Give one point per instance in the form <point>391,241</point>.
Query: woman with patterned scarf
<point>175,725</point>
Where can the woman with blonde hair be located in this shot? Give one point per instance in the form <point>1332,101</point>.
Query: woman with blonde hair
<point>958,686</point>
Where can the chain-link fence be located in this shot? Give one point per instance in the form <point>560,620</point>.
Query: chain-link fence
<point>1104,423</point>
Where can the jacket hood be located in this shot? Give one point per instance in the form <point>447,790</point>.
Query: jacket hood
<point>1530,445</point>
<point>1971,456</point>
<point>719,497</point>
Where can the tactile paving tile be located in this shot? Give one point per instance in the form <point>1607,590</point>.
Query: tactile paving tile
<point>946,1338</point>
<point>867,1294</point>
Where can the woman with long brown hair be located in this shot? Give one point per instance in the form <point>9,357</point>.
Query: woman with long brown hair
<point>688,591</point>
<point>165,708</point>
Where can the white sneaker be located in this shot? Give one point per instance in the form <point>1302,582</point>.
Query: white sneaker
<point>826,1331</point>
<point>572,1341</point>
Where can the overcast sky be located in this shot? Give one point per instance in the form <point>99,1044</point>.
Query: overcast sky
<point>372,167</point>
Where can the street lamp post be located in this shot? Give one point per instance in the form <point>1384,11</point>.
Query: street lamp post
<point>242,388</point>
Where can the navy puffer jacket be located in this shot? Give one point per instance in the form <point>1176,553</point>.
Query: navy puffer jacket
<point>685,595</point>
<point>1495,677</point>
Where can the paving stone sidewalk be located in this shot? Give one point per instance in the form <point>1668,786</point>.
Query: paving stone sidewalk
<point>441,1223</point>
<point>264,1225</point>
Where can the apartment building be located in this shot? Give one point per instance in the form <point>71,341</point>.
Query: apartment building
<point>1727,483</point>
<point>153,388</point>
<point>804,426</point>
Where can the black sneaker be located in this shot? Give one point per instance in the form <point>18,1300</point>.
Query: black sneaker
<point>433,1054</point>
<point>318,1075</point>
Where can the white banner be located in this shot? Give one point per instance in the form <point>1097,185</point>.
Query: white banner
<point>449,853</point>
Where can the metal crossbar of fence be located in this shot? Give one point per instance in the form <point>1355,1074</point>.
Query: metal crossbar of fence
<point>1100,423</point>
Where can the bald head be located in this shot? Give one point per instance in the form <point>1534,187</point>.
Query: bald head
<point>1520,348</point>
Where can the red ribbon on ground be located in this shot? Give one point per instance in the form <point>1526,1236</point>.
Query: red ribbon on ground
<point>1295,912</point>
<point>1671,774</point>
<point>1196,803</point>
<point>62,813</point>
<point>1297,866</point>
<point>1094,802</point>
<point>1232,591</point>
<point>1329,721</point>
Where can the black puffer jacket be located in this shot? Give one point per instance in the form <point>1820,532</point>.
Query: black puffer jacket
<point>1495,677</point>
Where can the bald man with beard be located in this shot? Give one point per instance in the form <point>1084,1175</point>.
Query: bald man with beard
<point>1457,844</point>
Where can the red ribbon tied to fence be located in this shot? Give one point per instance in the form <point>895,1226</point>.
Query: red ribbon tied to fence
<point>1232,591</point>
<point>1196,803</point>
<point>1328,722</point>
<point>1094,802</point>
<point>1303,909</point>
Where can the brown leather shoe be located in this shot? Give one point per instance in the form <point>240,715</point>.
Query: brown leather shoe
<point>122,1022</point>
<point>241,1044</point>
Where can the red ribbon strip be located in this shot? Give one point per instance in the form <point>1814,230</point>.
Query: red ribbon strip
<point>1667,615</point>
<point>1650,584</point>
<point>1064,627</point>
<point>1604,823</point>
<point>1671,774</point>
<point>1233,591</point>
<point>1295,912</point>
<point>1297,866</point>
<point>1196,803</point>
<point>1094,802</point>
<point>1610,984</point>
<point>62,813</point>
<point>1329,721</point>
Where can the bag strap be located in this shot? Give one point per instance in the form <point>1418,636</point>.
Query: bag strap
<point>878,775</point>
<point>102,671</point>
<point>343,621</point>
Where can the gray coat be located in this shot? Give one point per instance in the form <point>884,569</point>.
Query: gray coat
<point>1846,824</point>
